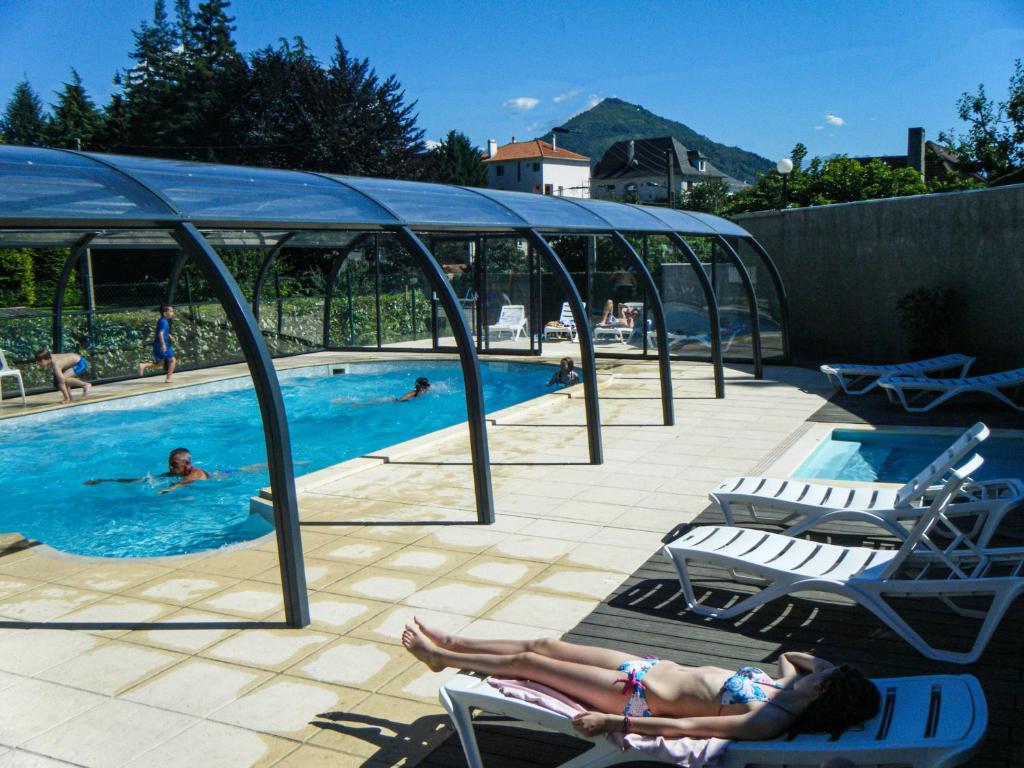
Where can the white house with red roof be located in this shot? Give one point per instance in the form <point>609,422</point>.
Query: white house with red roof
<point>536,166</point>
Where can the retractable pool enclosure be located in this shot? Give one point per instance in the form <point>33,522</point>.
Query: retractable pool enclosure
<point>699,286</point>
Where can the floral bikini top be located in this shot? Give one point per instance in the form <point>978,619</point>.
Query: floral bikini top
<point>746,686</point>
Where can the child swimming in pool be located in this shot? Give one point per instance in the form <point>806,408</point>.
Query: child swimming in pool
<point>67,367</point>
<point>420,388</point>
<point>565,375</point>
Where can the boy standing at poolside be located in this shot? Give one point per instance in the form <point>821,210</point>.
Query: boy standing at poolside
<point>163,353</point>
<point>67,367</point>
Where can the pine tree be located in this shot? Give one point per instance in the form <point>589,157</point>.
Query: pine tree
<point>456,161</point>
<point>76,121</point>
<point>23,122</point>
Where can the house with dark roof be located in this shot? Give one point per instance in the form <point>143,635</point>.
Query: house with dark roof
<point>933,161</point>
<point>537,166</point>
<point>638,169</point>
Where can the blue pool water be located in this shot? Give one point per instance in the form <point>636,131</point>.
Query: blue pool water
<point>895,457</point>
<point>46,458</point>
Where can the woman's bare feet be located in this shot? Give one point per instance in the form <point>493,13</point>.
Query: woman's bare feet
<point>422,647</point>
<point>442,639</point>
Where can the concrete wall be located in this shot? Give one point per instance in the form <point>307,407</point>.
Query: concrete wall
<point>846,266</point>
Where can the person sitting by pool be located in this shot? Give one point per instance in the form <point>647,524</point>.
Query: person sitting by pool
<point>421,387</point>
<point>657,697</point>
<point>565,375</point>
<point>609,319</point>
<point>179,464</point>
<point>67,367</point>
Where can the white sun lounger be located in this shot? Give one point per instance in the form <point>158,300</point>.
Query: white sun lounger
<point>512,321</point>
<point>14,373</point>
<point>856,379</point>
<point>920,567</point>
<point>932,392</point>
<point>936,721</point>
<point>566,328</point>
<point>810,504</point>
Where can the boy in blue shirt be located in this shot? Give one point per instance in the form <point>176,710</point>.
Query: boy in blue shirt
<point>163,352</point>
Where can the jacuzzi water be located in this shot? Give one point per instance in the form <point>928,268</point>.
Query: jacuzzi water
<point>895,457</point>
<point>46,458</point>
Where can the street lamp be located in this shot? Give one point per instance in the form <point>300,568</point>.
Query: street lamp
<point>784,167</point>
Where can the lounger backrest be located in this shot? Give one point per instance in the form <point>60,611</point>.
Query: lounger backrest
<point>566,317</point>
<point>934,472</point>
<point>958,476</point>
<point>512,315</point>
<point>3,361</point>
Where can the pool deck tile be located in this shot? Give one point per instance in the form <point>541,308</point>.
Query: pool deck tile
<point>202,670</point>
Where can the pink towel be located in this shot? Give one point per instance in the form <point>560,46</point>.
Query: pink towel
<point>692,753</point>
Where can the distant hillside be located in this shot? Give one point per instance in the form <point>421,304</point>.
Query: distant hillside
<point>614,120</point>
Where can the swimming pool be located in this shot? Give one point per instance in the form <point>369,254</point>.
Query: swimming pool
<point>47,457</point>
<point>895,457</point>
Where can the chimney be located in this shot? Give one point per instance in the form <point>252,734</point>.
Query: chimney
<point>554,140</point>
<point>492,148</point>
<point>631,153</point>
<point>915,150</point>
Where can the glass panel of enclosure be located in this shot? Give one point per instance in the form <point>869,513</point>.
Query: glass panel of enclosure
<point>686,307</point>
<point>733,309</point>
<point>210,192</point>
<point>556,322</point>
<point>504,304</point>
<point>292,300</point>
<point>406,305</point>
<point>200,329</point>
<point>768,303</point>
<point>623,322</point>
<point>39,183</point>
<point>459,258</point>
<point>354,299</point>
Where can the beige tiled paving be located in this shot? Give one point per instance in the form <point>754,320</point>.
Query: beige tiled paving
<point>187,662</point>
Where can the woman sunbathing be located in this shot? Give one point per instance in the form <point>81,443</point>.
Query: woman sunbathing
<point>660,698</point>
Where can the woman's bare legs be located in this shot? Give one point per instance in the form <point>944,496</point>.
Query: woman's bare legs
<point>604,658</point>
<point>597,687</point>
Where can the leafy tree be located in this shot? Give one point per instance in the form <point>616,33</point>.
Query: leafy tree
<point>994,141</point>
<point>711,196</point>
<point>456,161</point>
<point>23,122</point>
<point>75,117</point>
<point>16,285</point>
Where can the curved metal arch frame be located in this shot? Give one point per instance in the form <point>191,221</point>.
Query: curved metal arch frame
<point>595,445</point>
<point>755,316</point>
<point>713,316</point>
<point>664,362</point>
<point>780,291</point>
<point>268,394</point>
<point>261,275</point>
<point>76,254</point>
<point>331,279</point>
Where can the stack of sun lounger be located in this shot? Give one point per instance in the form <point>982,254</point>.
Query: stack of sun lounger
<point>943,523</point>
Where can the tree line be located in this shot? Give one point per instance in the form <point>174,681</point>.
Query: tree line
<point>191,94</point>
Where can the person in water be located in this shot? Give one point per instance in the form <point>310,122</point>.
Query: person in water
<point>565,375</point>
<point>657,697</point>
<point>420,388</point>
<point>67,367</point>
<point>163,352</point>
<point>179,464</point>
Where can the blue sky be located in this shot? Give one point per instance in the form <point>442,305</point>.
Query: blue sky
<point>839,76</point>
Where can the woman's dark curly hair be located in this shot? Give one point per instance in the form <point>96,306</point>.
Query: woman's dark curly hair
<point>845,698</point>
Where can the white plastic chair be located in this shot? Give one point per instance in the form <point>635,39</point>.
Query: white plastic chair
<point>14,373</point>
<point>856,379</point>
<point>920,567</point>
<point>932,392</point>
<point>811,504</point>
<point>933,721</point>
<point>512,321</point>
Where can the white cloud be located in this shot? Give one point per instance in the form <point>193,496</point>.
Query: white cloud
<point>593,101</point>
<point>834,119</point>
<point>563,96</point>
<point>521,104</point>
<point>819,127</point>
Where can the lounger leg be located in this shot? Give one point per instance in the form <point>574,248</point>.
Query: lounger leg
<point>462,719</point>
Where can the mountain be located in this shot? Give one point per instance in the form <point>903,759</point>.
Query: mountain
<point>614,120</point>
